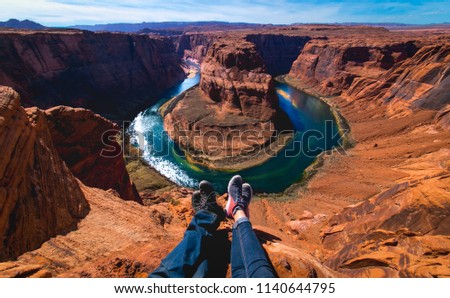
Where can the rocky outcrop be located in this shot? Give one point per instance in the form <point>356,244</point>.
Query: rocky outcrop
<point>235,75</point>
<point>87,143</point>
<point>443,118</point>
<point>419,82</point>
<point>404,231</point>
<point>290,262</point>
<point>134,239</point>
<point>111,74</point>
<point>399,72</point>
<point>328,67</point>
<point>39,196</point>
<point>194,45</point>
<point>278,51</point>
<point>233,114</point>
<point>116,239</point>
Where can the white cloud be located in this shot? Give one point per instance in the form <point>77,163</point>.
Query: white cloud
<point>71,12</point>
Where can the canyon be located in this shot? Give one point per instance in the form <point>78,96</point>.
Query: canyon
<point>114,75</point>
<point>380,210</point>
<point>228,120</point>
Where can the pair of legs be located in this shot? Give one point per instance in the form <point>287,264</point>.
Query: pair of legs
<point>193,256</point>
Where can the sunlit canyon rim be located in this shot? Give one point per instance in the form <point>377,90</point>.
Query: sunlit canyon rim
<point>381,209</point>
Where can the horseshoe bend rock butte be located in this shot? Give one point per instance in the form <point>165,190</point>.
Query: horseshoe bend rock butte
<point>233,114</point>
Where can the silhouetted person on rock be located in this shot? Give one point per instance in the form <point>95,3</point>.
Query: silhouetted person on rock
<point>192,256</point>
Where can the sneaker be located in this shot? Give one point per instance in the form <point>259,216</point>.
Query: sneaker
<point>205,199</point>
<point>247,194</point>
<point>234,195</point>
<point>197,201</point>
<point>207,191</point>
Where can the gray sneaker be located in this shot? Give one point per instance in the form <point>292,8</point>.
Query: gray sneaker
<point>247,194</point>
<point>205,199</point>
<point>239,196</point>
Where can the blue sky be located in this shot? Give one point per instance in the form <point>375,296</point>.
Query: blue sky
<point>71,12</point>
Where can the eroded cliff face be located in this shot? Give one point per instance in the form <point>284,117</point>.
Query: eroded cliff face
<point>402,232</point>
<point>402,73</point>
<point>194,45</point>
<point>123,239</point>
<point>328,67</point>
<point>278,51</point>
<point>393,92</point>
<point>87,144</point>
<point>39,196</point>
<point>422,81</point>
<point>111,74</point>
<point>234,74</point>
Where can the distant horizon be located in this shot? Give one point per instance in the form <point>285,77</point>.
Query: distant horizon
<point>67,13</point>
<point>226,22</point>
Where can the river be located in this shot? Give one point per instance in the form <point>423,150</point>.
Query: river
<point>315,131</point>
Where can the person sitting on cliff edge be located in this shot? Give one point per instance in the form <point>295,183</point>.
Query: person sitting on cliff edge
<point>190,258</point>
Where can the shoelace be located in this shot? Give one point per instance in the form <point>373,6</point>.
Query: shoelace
<point>240,205</point>
<point>204,200</point>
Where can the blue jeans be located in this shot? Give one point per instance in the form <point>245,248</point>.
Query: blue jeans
<point>193,256</point>
<point>247,256</point>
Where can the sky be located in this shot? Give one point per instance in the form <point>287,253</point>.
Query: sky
<point>88,12</point>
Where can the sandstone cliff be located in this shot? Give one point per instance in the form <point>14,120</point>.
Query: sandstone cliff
<point>233,114</point>
<point>402,232</point>
<point>278,51</point>
<point>86,142</point>
<point>39,196</point>
<point>124,239</point>
<point>419,82</point>
<point>402,73</point>
<point>330,66</point>
<point>194,45</point>
<point>111,74</point>
<point>394,219</point>
<point>234,74</point>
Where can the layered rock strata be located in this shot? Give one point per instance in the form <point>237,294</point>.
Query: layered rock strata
<point>234,75</point>
<point>232,116</point>
<point>403,75</point>
<point>88,145</point>
<point>396,176</point>
<point>402,232</point>
<point>278,51</point>
<point>331,66</point>
<point>111,74</point>
<point>39,196</point>
<point>194,45</point>
<point>419,82</point>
